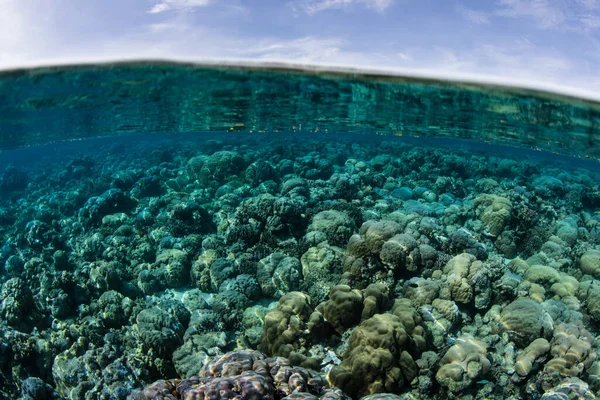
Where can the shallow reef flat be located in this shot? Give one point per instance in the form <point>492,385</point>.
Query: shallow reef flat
<point>297,266</point>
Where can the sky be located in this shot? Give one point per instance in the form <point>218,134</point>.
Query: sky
<point>539,43</point>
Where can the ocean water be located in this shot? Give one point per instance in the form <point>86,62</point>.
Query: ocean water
<point>173,231</point>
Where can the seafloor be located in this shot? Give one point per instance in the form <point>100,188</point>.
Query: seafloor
<point>268,267</point>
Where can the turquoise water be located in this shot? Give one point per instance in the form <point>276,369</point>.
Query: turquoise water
<point>55,104</point>
<point>174,231</point>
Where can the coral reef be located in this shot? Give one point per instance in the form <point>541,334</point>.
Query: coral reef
<point>377,269</point>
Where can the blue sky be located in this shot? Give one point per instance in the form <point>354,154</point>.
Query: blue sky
<point>548,43</point>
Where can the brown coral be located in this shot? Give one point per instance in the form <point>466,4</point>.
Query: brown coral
<point>286,329</point>
<point>243,374</point>
<point>460,277</point>
<point>532,353</point>
<point>344,307</point>
<point>571,351</point>
<point>463,364</point>
<point>381,353</point>
<point>494,212</point>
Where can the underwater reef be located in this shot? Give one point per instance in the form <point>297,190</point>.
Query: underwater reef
<point>277,267</point>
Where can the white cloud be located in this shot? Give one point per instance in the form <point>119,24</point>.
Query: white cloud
<point>11,20</point>
<point>590,21</point>
<point>404,57</point>
<point>311,7</point>
<point>477,17</point>
<point>379,5</point>
<point>590,4</point>
<point>30,37</point>
<point>545,14</point>
<point>25,31</point>
<point>520,62</point>
<point>305,49</point>
<point>167,5</point>
<point>160,7</point>
<point>568,15</point>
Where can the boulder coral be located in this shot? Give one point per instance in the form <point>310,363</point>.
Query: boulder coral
<point>463,364</point>
<point>362,260</point>
<point>278,274</point>
<point>321,270</point>
<point>286,329</point>
<point>401,252</point>
<point>589,294</point>
<point>159,330</point>
<point>220,166</point>
<point>571,351</point>
<point>344,307</point>
<point>494,212</point>
<point>589,263</point>
<point>337,226</point>
<point>381,353</point>
<point>524,320</point>
<point>467,280</point>
<point>532,354</point>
